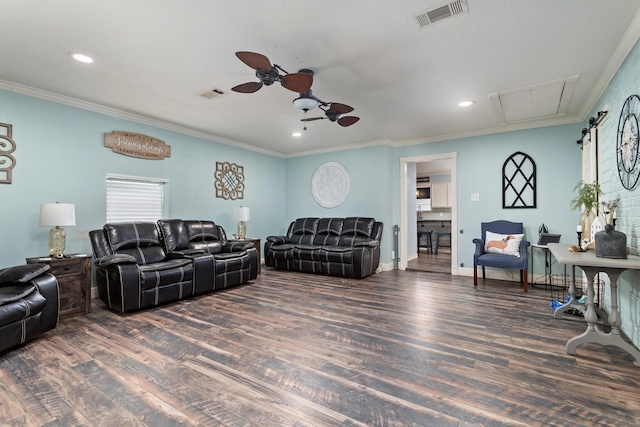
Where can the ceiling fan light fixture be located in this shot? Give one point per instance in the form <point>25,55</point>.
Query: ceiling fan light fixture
<point>467,103</point>
<point>305,103</point>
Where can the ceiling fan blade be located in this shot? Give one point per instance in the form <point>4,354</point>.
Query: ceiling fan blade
<point>340,108</point>
<point>347,120</point>
<point>297,82</point>
<point>247,87</point>
<point>310,119</point>
<point>254,60</point>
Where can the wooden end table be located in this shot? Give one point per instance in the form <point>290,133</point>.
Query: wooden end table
<point>74,282</point>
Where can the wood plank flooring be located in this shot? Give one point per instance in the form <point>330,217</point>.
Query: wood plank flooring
<point>290,349</point>
<point>432,262</point>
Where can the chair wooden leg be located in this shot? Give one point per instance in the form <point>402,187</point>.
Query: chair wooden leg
<point>525,274</point>
<point>475,275</point>
<point>483,273</point>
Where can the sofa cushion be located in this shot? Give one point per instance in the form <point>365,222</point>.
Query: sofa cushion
<point>166,273</point>
<point>328,231</point>
<point>204,236</point>
<point>358,226</point>
<point>232,261</point>
<point>303,230</point>
<point>310,252</point>
<point>138,239</point>
<point>341,254</point>
<point>174,234</point>
<point>281,251</point>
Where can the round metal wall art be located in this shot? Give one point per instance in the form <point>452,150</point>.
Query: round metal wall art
<point>330,184</point>
<point>627,152</point>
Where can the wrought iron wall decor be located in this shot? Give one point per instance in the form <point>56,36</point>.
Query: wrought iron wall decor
<point>593,122</point>
<point>7,146</point>
<point>627,150</point>
<point>519,182</point>
<point>229,181</point>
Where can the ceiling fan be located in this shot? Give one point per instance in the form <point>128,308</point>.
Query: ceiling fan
<point>269,74</point>
<point>333,110</point>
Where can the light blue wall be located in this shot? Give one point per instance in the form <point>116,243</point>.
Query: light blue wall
<point>372,186</point>
<point>479,170</point>
<point>60,156</point>
<point>622,86</point>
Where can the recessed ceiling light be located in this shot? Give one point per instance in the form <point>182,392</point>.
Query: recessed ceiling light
<point>466,103</point>
<point>82,58</point>
<point>296,134</point>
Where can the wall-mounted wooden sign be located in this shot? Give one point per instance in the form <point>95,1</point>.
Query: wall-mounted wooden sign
<point>137,145</point>
<point>7,146</point>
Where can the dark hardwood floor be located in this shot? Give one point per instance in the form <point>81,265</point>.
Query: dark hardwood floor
<point>289,349</point>
<point>430,261</point>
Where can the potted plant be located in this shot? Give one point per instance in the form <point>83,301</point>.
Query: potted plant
<point>587,201</point>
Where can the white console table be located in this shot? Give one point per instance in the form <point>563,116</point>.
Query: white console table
<point>592,265</point>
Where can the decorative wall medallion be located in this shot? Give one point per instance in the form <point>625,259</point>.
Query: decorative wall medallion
<point>519,182</point>
<point>627,142</point>
<point>7,146</point>
<point>330,185</point>
<point>137,145</point>
<point>229,181</point>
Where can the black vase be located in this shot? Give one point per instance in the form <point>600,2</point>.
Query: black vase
<point>611,243</point>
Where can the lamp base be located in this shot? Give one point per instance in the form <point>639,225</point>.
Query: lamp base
<point>242,230</point>
<point>57,242</point>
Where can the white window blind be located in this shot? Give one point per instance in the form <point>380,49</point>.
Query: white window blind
<point>135,199</point>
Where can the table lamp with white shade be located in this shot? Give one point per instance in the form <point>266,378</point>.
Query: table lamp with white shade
<point>241,214</point>
<point>56,215</point>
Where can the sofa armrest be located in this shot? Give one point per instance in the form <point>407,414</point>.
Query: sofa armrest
<point>278,240</point>
<point>22,273</point>
<point>114,259</point>
<point>186,253</point>
<point>237,246</point>
<point>367,243</point>
<point>479,247</point>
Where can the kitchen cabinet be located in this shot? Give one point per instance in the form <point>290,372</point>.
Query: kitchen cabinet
<point>440,195</point>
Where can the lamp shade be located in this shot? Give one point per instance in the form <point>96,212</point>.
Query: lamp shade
<point>241,214</point>
<point>57,214</point>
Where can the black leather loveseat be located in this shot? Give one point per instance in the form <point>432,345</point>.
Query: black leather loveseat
<point>346,247</point>
<point>141,265</point>
<point>29,303</point>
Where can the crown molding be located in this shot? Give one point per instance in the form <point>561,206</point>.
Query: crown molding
<point>137,118</point>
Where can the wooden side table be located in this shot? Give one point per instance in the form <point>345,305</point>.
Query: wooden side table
<point>256,242</point>
<point>74,282</point>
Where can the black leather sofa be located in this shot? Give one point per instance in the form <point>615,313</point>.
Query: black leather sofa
<point>29,304</point>
<point>140,265</point>
<point>346,247</point>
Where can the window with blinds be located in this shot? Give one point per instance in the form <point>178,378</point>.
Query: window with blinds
<point>131,198</point>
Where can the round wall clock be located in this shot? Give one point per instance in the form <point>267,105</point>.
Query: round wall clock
<point>330,184</point>
<point>627,143</point>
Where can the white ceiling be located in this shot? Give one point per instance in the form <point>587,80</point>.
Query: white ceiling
<point>153,58</point>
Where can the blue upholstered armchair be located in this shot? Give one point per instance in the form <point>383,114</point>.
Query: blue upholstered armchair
<point>502,246</point>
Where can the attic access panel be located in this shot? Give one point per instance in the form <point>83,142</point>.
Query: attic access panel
<point>519,182</point>
<point>542,100</point>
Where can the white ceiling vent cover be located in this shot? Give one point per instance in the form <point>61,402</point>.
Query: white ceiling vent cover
<point>440,13</point>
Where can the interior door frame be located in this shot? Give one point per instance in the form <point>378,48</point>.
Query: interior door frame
<point>404,212</point>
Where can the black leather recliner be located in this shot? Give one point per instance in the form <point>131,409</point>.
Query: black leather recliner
<point>29,303</point>
<point>140,265</point>
<point>346,247</point>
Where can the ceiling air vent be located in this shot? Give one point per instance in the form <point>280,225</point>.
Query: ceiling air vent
<point>213,93</point>
<point>425,18</point>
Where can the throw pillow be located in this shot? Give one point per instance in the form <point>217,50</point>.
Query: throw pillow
<point>507,244</point>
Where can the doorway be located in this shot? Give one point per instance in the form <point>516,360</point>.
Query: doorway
<point>442,218</point>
